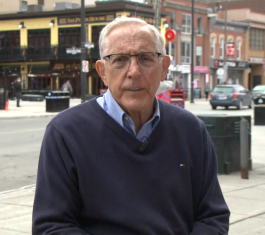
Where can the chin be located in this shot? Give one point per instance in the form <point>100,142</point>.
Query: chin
<point>136,105</point>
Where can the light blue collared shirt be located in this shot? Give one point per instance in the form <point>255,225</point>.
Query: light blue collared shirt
<point>108,103</point>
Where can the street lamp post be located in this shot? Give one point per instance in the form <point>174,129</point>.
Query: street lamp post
<point>83,53</point>
<point>5,85</point>
<point>192,52</point>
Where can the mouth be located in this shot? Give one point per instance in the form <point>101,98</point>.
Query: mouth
<point>134,89</point>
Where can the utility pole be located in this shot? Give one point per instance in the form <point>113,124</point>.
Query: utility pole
<point>83,53</point>
<point>192,52</point>
<point>157,13</point>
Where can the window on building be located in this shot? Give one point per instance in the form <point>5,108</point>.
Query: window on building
<point>222,47</point>
<point>41,2</point>
<point>199,56</point>
<point>213,47</point>
<point>23,6</point>
<point>9,39</point>
<point>70,37</point>
<point>95,33</point>
<point>186,23</point>
<point>200,27</point>
<point>185,52</point>
<point>256,41</point>
<point>238,49</point>
<point>39,39</point>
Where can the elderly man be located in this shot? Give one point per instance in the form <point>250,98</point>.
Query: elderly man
<point>126,163</point>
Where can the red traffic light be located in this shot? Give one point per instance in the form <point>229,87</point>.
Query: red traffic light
<point>170,34</point>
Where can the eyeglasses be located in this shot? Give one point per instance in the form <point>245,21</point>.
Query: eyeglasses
<point>146,60</point>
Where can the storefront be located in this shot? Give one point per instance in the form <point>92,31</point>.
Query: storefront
<point>256,71</point>
<point>236,72</point>
<point>61,71</point>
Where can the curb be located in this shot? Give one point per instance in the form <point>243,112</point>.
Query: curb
<point>30,116</point>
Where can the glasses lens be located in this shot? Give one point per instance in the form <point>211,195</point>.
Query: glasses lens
<point>119,62</point>
<point>148,60</point>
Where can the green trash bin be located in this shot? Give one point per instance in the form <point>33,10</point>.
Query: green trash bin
<point>225,134</point>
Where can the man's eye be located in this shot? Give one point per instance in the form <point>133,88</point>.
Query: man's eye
<point>120,59</point>
<point>147,58</point>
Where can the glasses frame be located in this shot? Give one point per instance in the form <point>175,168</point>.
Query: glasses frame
<point>109,57</point>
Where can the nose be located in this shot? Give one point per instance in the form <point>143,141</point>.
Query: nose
<point>133,61</point>
<point>133,70</point>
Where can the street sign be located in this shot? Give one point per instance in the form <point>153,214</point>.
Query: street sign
<point>89,45</point>
<point>85,66</point>
<point>73,50</point>
<point>170,34</point>
<point>220,72</point>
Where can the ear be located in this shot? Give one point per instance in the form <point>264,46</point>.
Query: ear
<point>165,65</point>
<point>100,67</point>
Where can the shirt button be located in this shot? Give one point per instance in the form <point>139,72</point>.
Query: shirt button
<point>126,118</point>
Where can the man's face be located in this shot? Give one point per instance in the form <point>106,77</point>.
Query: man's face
<point>133,89</point>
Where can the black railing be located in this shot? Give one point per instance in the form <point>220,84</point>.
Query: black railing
<point>41,53</point>
<point>11,54</point>
<point>32,53</point>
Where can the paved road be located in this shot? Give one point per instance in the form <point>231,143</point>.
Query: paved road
<point>20,141</point>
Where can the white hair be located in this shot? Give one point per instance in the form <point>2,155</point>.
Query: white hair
<point>120,21</point>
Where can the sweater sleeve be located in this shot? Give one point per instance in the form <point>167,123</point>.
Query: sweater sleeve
<point>56,204</point>
<point>211,212</point>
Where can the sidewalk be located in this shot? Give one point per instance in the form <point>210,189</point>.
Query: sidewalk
<point>30,109</point>
<point>245,198</point>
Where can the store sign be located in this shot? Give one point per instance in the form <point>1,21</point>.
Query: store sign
<point>256,60</point>
<point>230,49</point>
<point>88,19</point>
<point>73,50</point>
<point>184,68</point>
<point>231,64</point>
<point>71,67</point>
<point>85,66</point>
<point>201,69</point>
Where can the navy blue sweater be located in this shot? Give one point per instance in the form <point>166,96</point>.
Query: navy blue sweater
<point>93,178</point>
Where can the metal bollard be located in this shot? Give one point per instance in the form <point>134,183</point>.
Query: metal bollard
<point>244,148</point>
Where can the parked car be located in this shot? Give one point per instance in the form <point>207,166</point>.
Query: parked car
<point>258,94</point>
<point>230,95</point>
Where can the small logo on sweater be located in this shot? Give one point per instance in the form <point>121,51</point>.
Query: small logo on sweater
<point>182,165</point>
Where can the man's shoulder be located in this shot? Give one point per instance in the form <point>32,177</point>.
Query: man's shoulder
<point>76,115</point>
<point>176,114</point>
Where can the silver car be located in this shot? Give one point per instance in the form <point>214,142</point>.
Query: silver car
<point>230,95</point>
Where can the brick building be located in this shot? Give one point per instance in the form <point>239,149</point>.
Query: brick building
<point>232,53</point>
<point>179,18</point>
<point>252,12</point>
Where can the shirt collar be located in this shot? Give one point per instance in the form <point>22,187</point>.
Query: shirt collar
<point>116,112</point>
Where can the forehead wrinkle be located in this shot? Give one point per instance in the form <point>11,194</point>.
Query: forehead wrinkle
<point>129,41</point>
